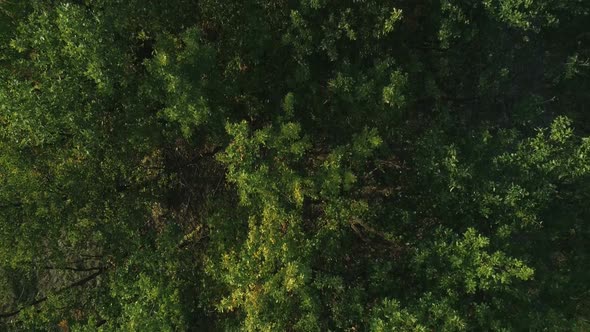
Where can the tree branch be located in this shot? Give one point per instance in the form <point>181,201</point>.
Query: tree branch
<point>86,269</point>
<point>44,298</point>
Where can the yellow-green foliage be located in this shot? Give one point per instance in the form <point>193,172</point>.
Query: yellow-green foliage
<point>304,165</point>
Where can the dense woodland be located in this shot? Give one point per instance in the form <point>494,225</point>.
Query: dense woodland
<point>295,165</point>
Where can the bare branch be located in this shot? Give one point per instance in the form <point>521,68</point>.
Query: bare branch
<point>44,298</point>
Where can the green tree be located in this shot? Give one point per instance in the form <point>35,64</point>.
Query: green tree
<point>301,165</point>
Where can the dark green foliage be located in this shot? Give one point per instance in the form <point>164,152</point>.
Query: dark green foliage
<point>312,165</point>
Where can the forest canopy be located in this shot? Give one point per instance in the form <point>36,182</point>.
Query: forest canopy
<point>294,165</point>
